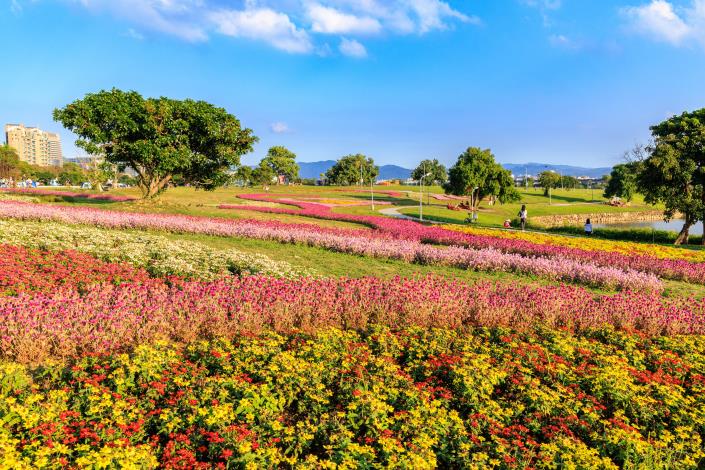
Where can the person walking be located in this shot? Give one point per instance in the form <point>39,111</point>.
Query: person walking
<point>523,214</point>
<point>588,227</point>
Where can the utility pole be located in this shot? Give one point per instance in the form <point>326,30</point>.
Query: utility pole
<point>421,195</point>
<point>372,193</point>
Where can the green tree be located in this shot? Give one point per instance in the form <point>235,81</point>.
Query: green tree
<point>621,182</point>
<point>569,182</point>
<point>674,171</point>
<point>262,175</point>
<point>477,168</point>
<point>160,138</point>
<point>437,173</point>
<point>549,180</point>
<point>282,162</point>
<point>244,175</point>
<point>9,162</point>
<point>353,169</point>
<point>72,174</point>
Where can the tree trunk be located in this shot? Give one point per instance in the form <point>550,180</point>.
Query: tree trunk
<point>684,233</point>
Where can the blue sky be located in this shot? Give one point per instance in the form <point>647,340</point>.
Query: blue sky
<point>555,81</point>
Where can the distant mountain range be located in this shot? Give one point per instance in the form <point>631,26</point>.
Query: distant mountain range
<point>534,169</point>
<point>395,172</point>
<point>386,172</point>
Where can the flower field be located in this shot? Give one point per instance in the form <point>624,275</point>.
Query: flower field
<point>594,244</point>
<point>124,348</point>
<point>158,255</point>
<point>413,398</point>
<point>347,241</point>
<point>677,267</point>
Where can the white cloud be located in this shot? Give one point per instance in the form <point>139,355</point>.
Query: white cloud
<point>293,26</point>
<point>263,24</point>
<point>331,21</point>
<point>561,41</point>
<point>544,4</point>
<point>433,13</point>
<point>352,48</point>
<point>131,33</point>
<point>279,127</point>
<point>660,21</point>
<point>403,16</point>
<point>173,17</point>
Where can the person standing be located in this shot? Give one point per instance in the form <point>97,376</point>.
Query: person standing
<point>523,214</point>
<point>588,227</point>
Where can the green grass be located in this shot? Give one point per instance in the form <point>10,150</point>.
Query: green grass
<point>562,202</point>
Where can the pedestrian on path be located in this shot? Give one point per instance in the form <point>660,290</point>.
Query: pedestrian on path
<point>588,227</point>
<point>523,214</point>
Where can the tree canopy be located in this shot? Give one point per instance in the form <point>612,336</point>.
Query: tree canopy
<point>549,180</point>
<point>437,173</point>
<point>353,169</point>
<point>477,168</point>
<point>282,162</point>
<point>9,162</point>
<point>673,173</point>
<point>622,181</point>
<point>160,138</point>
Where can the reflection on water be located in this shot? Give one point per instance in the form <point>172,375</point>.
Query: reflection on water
<point>674,225</point>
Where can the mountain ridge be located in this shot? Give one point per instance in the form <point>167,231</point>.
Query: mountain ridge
<point>393,172</point>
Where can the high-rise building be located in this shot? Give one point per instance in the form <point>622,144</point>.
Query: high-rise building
<point>34,146</point>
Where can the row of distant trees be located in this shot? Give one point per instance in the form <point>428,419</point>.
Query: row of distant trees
<point>12,168</point>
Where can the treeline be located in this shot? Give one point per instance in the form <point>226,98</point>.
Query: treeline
<point>70,174</point>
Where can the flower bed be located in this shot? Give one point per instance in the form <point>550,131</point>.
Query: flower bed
<point>158,255</point>
<point>355,242</point>
<point>107,318</point>
<point>593,244</point>
<point>26,270</point>
<point>678,269</point>
<point>413,398</point>
<point>50,192</point>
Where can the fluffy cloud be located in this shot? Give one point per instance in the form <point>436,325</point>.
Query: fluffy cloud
<point>279,127</point>
<point>331,21</point>
<point>263,24</point>
<point>293,26</point>
<point>352,48</point>
<point>660,21</point>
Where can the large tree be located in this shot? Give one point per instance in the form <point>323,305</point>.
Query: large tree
<point>549,180</point>
<point>160,138</point>
<point>622,181</point>
<point>353,169</point>
<point>282,162</point>
<point>477,168</point>
<point>673,173</point>
<point>9,162</point>
<point>435,171</point>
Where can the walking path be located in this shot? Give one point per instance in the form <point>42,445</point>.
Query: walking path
<point>394,212</point>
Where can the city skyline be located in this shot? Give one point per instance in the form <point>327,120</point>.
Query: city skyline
<point>560,82</point>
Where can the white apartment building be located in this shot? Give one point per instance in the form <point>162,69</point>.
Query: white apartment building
<point>34,145</point>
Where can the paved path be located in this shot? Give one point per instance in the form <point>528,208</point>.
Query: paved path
<point>394,212</point>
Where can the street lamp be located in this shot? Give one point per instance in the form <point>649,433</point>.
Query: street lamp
<point>421,195</point>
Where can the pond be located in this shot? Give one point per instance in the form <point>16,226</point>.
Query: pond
<point>674,225</point>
